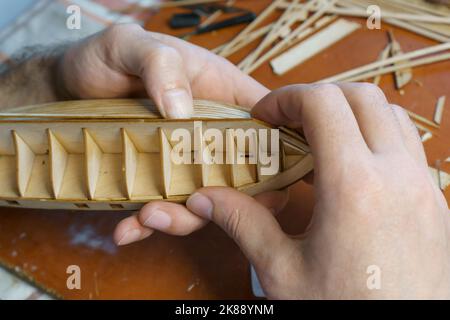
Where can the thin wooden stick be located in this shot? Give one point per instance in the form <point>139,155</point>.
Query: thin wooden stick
<point>385,14</point>
<point>286,20</point>
<point>417,117</point>
<point>402,24</point>
<point>282,44</point>
<point>263,15</point>
<point>377,64</point>
<point>409,64</point>
<point>250,38</point>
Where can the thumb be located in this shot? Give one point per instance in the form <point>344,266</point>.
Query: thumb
<point>251,225</point>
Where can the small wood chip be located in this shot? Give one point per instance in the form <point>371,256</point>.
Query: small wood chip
<point>426,136</point>
<point>439,110</point>
<point>441,178</point>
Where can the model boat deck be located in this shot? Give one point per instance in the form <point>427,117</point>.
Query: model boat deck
<point>61,156</point>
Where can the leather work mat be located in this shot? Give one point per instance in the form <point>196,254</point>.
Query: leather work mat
<point>40,245</point>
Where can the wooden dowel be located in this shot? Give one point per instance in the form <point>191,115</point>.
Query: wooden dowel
<point>377,64</point>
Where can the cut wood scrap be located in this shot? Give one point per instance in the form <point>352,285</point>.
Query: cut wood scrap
<point>383,55</point>
<point>313,45</point>
<point>439,110</point>
<point>402,76</point>
<point>294,34</point>
<point>368,68</point>
<point>441,178</point>
<point>426,136</point>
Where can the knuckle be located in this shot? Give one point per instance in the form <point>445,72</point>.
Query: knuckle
<point>370,89</point>
<point>325,90</point>
<point>122,30</point>
<point>233,221</point>
<point>163,56</point>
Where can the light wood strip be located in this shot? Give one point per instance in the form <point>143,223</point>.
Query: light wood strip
<point>24,160</point>
<point>166,163</point>
<point>58,162</point>
<point>130,163</point>
<point>93,160</point>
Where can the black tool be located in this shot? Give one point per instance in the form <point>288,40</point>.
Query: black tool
<point>184,20</point>
<point>245,18</point>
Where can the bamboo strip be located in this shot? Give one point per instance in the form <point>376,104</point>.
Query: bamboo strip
<point>263,15</point>
<point>402,76</point>
<point>286,20</point>
<point>411,64</point>
<point>282,44</point>
<point>402,24</point>
<point>422,119</point>
<point>352,12</point>
<point>377,64</point>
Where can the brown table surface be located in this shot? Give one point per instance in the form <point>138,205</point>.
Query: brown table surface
<point>40,245</point>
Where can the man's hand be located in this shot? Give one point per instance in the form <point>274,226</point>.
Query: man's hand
<point>377,207</point>
<point>126,61</point>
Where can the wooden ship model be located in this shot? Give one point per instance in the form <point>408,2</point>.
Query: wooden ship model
<point>114,155</point>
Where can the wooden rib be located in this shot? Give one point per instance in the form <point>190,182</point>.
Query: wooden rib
<point>231,157</point>
<point>93,160</point>
<point>166,163</point>
<point>130,163</point>
<point>58,157</point>
<point>200,152</point>
<point>439,110</point>
<point>24,163</point>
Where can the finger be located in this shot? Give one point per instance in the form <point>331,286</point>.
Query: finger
<point>375,116</point>
<point>249,223</point>
<point>275,201</point>
<point>130,230</point>
<point>160,67</point>
<point>325,116</point>
<point>170,218</point>
<point>235,86</point>
<point>410,135</point>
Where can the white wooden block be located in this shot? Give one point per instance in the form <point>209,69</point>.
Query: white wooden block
<point>313,45</point>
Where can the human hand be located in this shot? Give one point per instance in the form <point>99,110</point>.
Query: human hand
<point>127,61</point>
<point>377,206</point>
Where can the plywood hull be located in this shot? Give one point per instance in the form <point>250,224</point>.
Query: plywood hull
<point>72,156</point>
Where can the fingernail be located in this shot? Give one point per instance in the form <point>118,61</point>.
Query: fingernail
<point>200,205</point>
<point>158,220</point>
<point>177,104</point>
<point>130,236</point>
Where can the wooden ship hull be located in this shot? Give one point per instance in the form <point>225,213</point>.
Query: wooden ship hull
<point>114,155</point>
